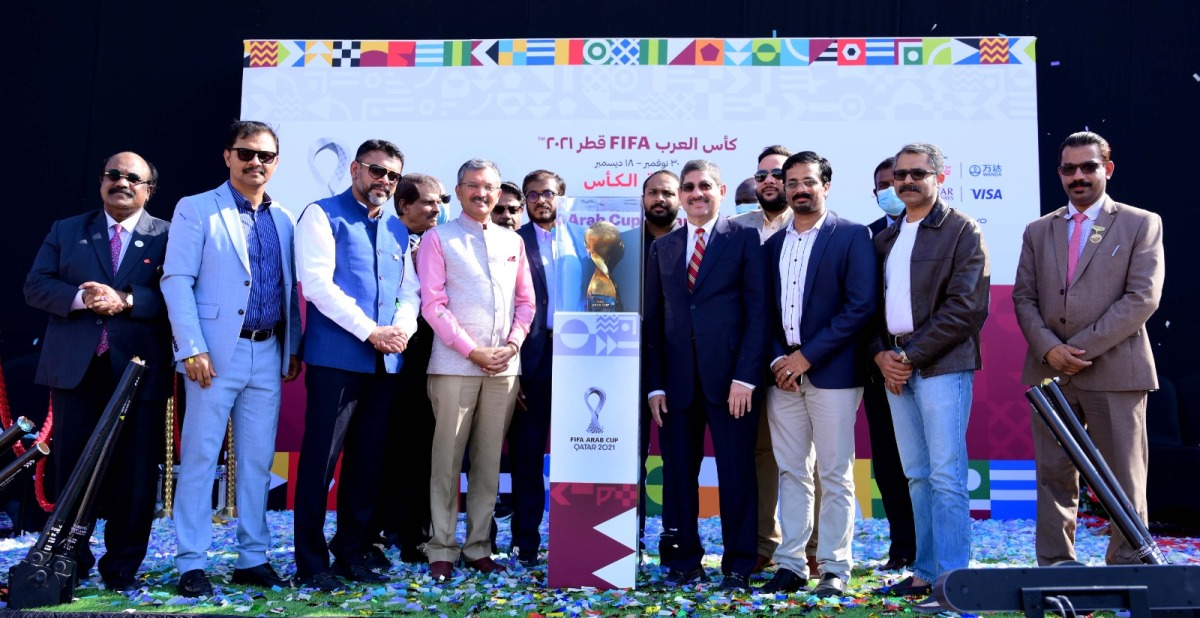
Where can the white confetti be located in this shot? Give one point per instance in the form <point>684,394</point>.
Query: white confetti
<point>933,28</point>
<point>1196,76</point>
<point>1167,324</point>
<point>1054,63</point>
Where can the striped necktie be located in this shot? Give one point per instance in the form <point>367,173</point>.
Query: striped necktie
<point>697,255</point>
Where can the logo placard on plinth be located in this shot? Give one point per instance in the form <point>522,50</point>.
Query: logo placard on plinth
<point>594,450</point>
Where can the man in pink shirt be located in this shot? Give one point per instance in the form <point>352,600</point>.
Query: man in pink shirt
<point>477,295</point>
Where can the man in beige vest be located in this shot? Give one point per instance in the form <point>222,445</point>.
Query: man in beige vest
<point>477,295</point>
<point>1089,277</point>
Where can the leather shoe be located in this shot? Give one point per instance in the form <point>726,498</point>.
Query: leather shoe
<point>121,583</point>
<point>928,605</point>
<point>831,586</point>
<point>262,576</point>
<point>677,578</point>
<point>735,581</point>
<point>357,573</point>
<point>441,569</point>
<point>895,564</point>
<point>323,581</point>
<point>528,560</point>
<point>785,581</point>
<point>764,563</point>
<point>903,588</point>
<point>194,584</point>
<point>374,558</point>
<point>485,565</point>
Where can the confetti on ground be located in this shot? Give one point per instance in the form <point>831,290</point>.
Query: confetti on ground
<point>1054,63</point>
<point>522,592</point>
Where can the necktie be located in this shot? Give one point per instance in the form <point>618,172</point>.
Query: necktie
<point>697,255</point>
<point>114,249</point>
<point>1073,249</point>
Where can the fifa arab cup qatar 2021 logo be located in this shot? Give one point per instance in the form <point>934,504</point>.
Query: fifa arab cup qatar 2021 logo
<point>594,426</point>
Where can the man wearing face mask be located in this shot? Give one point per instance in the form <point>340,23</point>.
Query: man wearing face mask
<point>351,250</point>
<point>772,216</point>
<point>745,199</point>
<point>1089,277</point>
<point>403,517</point>
<point>509,207</point>
<point>889,474</point>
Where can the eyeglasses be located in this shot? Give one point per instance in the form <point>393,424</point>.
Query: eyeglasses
<point>470,186</point>
<point>775,173</point>
<point>1088,167</point>
<point>247,154</point>
<point>445,198</point>
<point>917,175</point>
<point>512,210</point>
<point>533,196</point>
<point>134,179</point>
<point>807,183</point>
<point>704,185</point>
<point>378,171</point>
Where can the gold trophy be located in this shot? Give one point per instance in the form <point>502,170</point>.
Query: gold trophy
<point>605,247</point>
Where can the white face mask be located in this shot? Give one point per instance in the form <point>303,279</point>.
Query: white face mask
<point>741,208</point>
<point>889,201</point>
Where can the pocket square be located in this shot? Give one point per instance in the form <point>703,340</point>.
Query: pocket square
<point>512,258</point>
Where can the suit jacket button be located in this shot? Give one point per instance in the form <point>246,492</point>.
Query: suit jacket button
<point>99,320</point>
<point>247,284</point>
<point>241,312</point>
<point>1062,320</point>
<point>543,301</point>
<point>1063,291</point>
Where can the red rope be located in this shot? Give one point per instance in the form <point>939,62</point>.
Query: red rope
<point>39,484</point>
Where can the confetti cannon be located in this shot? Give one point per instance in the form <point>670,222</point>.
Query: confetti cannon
<point>47,576</point>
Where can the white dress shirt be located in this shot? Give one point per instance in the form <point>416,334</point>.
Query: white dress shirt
<point>127,227</point>
<point>1091,213</point>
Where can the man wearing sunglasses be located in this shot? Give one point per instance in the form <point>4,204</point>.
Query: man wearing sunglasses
<point>560,273</point>
<point>403,517</point>
<point>97,275</point>
<point>936,284</point>
<point>1089,277</point>
<point>772,215</point>
<point>230,290</point>
<point>363,298</point>
<point>509,207</point>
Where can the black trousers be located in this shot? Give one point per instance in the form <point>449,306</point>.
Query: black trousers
<point>682,441</point>
<point>889,474</point>
<point>347,415</point>
<point>527,436</point>
<point>128,490</point>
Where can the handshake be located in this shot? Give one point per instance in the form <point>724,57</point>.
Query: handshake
<point>388,339</point>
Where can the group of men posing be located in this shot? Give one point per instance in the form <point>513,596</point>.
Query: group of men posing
<point>768,328</point>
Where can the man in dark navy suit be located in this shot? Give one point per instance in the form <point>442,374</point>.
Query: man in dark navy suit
<point>821,290</point>
<point>97,276</point>
<point>705,347</point>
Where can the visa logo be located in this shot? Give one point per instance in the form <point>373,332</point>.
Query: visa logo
<point>986,194</point>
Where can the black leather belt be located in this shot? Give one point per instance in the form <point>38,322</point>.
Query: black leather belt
<point>257,335</point>
<point>898,341</point>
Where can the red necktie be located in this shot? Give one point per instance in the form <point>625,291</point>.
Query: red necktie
<point>1073,249</point>
<point>697,255</point>
<point>114,249</point>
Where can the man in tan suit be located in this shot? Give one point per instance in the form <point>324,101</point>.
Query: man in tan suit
<point>1089,277</point>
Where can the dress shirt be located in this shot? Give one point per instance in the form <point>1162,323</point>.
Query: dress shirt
<point>549,252</point>
<point>316,260</point>
<point>264,308</point>
<point>793,272</point>
<point>127,227</point>
<point>690,248</point>
<point>406,312</point>
<point>1091,213</point>
<point>898,280</point>
<point>768,227</point>
<point>432,270</point>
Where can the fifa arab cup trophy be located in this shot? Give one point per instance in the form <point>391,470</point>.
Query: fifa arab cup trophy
<point>605,247</point>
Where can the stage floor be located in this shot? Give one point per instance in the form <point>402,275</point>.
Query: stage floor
<point>522,592</point>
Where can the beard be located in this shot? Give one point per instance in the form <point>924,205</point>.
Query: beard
<point>663,220</point>
<point>773,205</point>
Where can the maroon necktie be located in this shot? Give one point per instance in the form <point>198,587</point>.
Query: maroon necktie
<point>114,249</point>
<point>697,255</point>
<point>1073,249</point>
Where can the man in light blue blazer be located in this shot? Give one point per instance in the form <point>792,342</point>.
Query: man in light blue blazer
<point>230,288</point>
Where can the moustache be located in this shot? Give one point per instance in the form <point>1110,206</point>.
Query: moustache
<point>912,188</point>
<point>254,168</point>
<point>1079,183</point>
<point>121,190</point>
<point>802,195</point>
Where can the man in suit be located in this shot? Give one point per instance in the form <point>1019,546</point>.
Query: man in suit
<point>230,290</point>
<point>936,284</point>
<point>560,269</point>
<point>509,207</point>
<point>821,288</point>
<point>477,295</point>
<point>97,274</point>
<point>1089,277</point>
<point>403,517</point>
<point>885,457</point>
<point>772,215</point>
<point>363,299</point>
<point>705,347</point>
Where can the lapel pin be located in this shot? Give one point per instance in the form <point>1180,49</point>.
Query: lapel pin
<point>396,256</point>
<point>147,260</point>
<point>138,243</point>
<point>1094,238</point>
<point>1097,228</point>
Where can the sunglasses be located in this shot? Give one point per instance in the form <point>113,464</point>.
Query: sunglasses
<point>533,196</point>
<point>445,198</point>
<point>134,179</point>
<point>512,210</point>
<point>917,175</point>
<point>1088,167</point>
<point>247,154</point>
<point>761,175</point>
<point>379,171</point>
